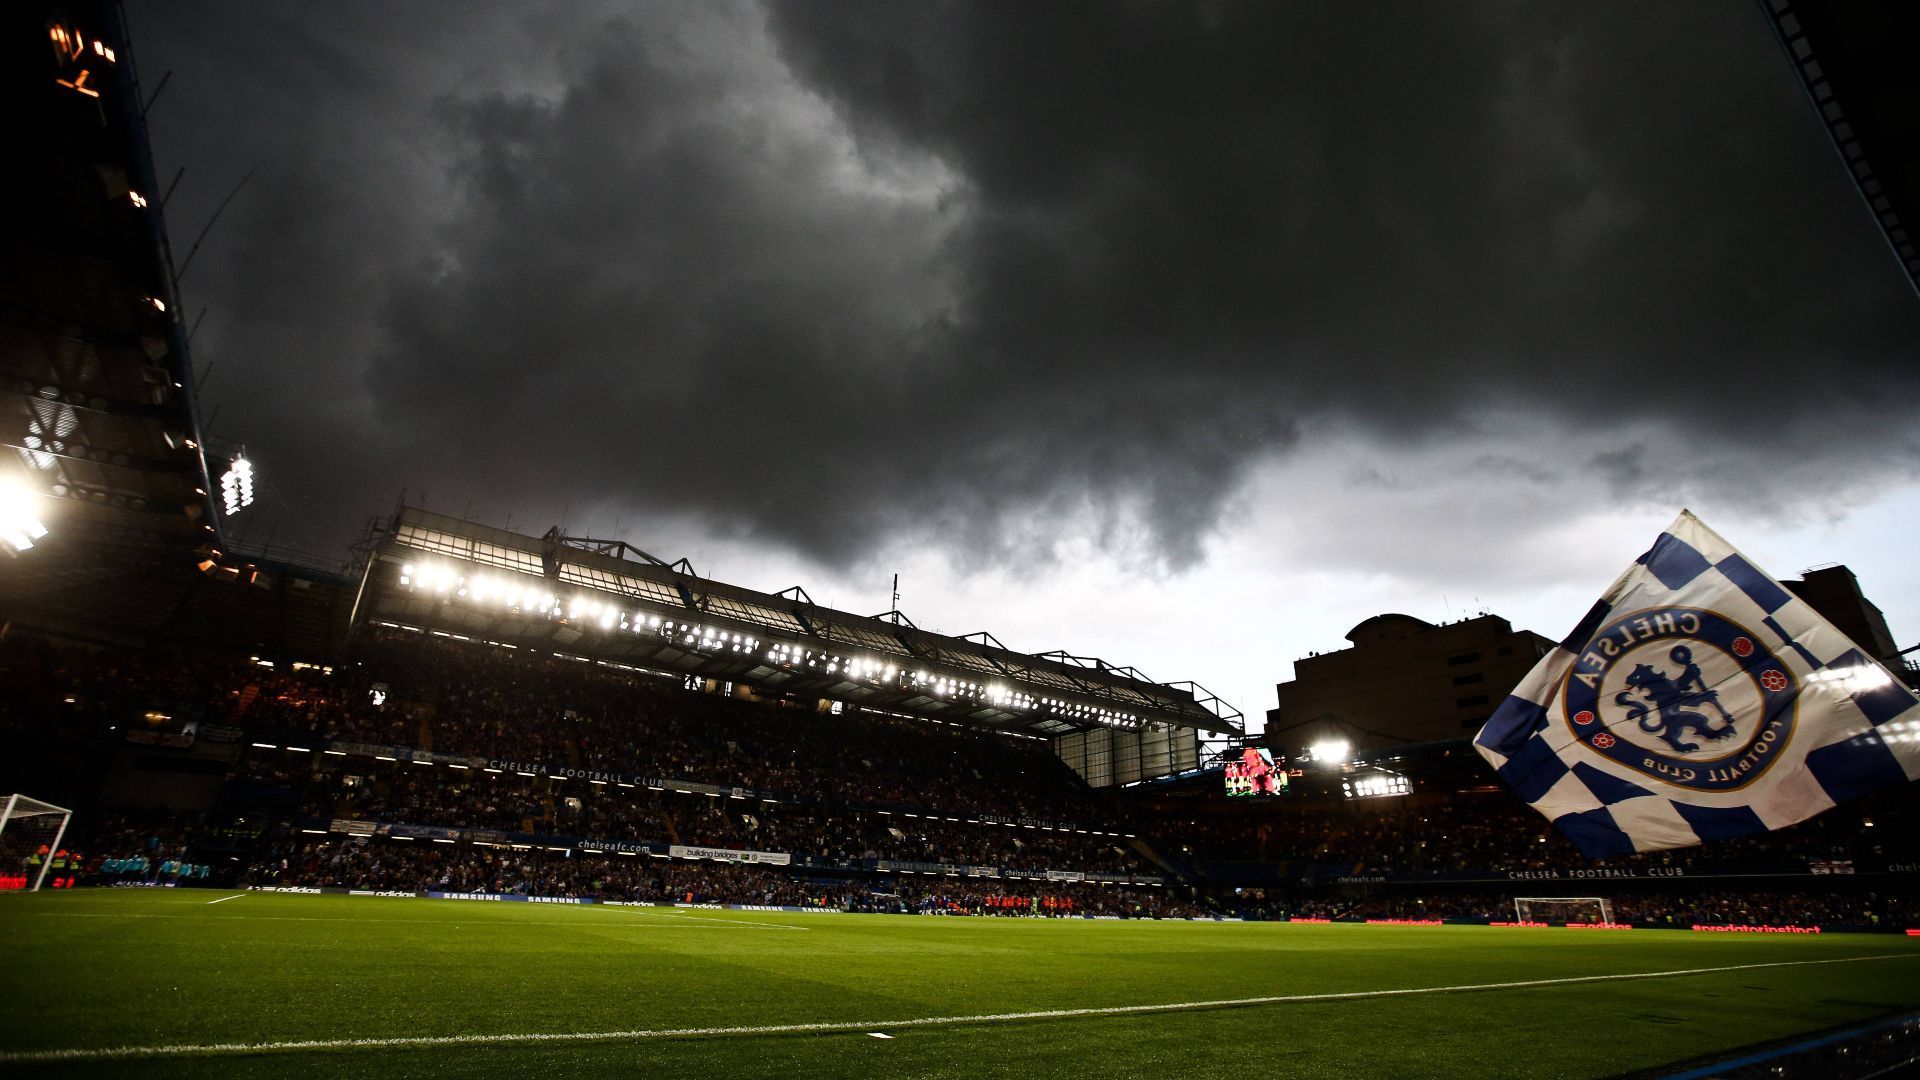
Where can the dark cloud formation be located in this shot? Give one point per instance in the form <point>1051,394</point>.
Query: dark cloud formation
<point>1400,213</point>
<point>838,277</point>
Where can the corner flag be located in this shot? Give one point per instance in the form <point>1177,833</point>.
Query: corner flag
<point>1699,700</point>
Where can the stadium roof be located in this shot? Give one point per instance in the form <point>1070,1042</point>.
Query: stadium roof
<point>608,601</point>
<point>1856,63</point>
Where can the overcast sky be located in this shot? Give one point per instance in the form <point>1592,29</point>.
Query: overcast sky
<point>1187,335</point>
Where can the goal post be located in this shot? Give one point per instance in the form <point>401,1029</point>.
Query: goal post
<point>1562,909</point>
<point>30,835</point>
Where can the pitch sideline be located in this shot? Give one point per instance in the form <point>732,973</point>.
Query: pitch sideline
<point>123,1053</point>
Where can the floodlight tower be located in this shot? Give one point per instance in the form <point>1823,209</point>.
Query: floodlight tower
<point>102,453</point>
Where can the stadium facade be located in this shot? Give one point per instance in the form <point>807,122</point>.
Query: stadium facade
<point>1404,680</point>
<point>1834,592</point>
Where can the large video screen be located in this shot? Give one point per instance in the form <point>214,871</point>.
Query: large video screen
<point>1254,773</point>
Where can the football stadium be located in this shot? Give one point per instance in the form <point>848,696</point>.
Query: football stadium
<point>485,801</point>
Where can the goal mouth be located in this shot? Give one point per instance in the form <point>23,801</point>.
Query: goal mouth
<point>30,834</point>
<point>1563,910</point>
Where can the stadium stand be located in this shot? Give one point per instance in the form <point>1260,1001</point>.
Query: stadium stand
<point>425,764</point>
<point>1490,831</point>
<point>389,866</point>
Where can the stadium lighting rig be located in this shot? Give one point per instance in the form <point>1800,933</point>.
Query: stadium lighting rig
<point>77,58</point>
<point>1376,785</point>
<point>536,597</point>
<point>1330,751</point>
<point>20,523</point>
<point>236,485</point>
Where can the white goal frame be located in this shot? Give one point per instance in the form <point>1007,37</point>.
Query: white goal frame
<point>16,810</point>
<point>1521,914</point>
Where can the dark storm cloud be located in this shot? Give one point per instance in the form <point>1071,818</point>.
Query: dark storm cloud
<point>684,289</point>
<point>294,270</point>
<point>839,276</point>
<point>1611,212</point>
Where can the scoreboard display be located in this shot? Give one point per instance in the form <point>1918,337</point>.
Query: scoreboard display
<point>1254,773</point>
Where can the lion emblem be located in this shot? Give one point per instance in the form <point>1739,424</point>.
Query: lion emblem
<point>1678,704</point>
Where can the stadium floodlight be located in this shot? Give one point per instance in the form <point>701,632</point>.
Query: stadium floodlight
<point>236,485</point>
<point>20,523</point>
<point>1330,750</point>
<point>1376,785</point>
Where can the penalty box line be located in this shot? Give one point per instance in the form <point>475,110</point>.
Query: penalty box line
<point>121,1053</point>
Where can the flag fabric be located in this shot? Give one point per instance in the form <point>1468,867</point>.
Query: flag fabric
<point>1699,700</point>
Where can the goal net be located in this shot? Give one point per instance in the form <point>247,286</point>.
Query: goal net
<point>1562,909</point>
<point>30,835</point>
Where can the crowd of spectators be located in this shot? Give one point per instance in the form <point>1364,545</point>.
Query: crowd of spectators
<point>363,788</point>
<point>477,700</point>
<point>409,866</point>
<point>486,702</point>
<point>1806,907</point>
<point>844,790</point>
<point>1495,832</point>
<point>1054,899</point>
<point>394,865</point>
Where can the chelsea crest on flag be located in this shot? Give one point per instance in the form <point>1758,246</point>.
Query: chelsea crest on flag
<point>1699,700</point>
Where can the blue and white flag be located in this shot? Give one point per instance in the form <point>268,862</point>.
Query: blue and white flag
<point>1699,700</point>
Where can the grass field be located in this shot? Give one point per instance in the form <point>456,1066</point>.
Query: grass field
<point>664,992</point>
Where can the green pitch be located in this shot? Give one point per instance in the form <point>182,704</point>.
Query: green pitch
<point>667,992</point>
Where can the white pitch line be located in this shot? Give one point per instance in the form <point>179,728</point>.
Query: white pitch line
<point>719,922</point>
<point>118,1053</point>
<point>224,899</point>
